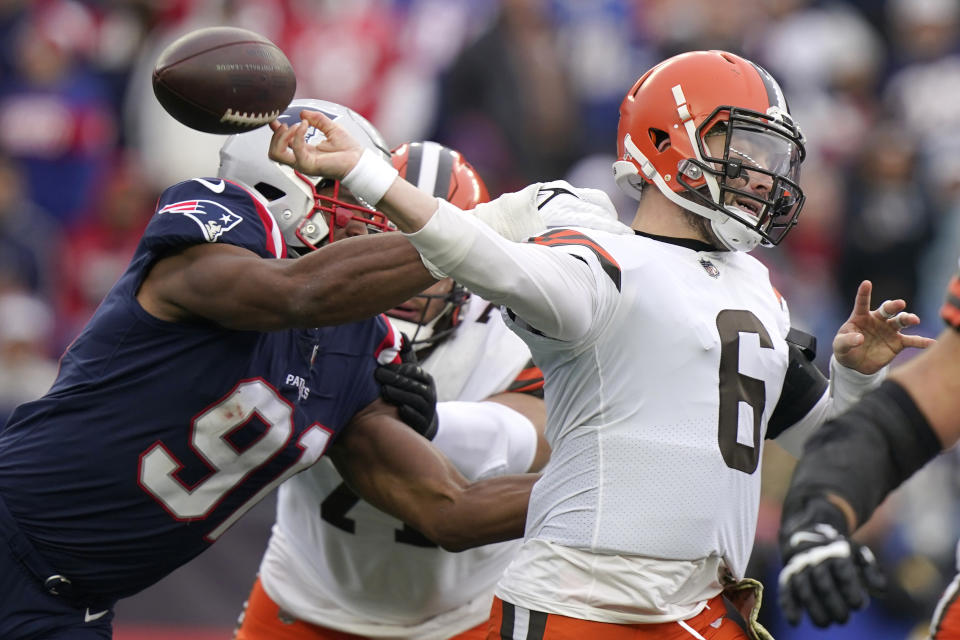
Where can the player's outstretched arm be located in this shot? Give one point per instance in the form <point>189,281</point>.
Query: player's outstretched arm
<point>392,467</point>
<point>857,459</point>
<point>344,281</point>
<point>519,275</point>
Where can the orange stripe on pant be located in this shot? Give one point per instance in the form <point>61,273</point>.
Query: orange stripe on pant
<point>540,626</point>
<point>263,620</point>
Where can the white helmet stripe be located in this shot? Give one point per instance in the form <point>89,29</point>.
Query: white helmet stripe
<point>429,161</point>
<point>691,129</point>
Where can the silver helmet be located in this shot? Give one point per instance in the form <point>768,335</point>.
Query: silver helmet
<point>292,197</point>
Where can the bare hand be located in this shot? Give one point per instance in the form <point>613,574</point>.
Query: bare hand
<point>333,155</point>
<point>869,340</point>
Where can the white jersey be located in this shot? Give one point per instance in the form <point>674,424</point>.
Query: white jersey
<point>336,561</point>
<point>657,419</point>
<point>663,363</point>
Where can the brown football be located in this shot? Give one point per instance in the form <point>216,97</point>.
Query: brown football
<point>223,80</point>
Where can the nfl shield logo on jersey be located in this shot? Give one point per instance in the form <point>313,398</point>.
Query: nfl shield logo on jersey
<point>710,268</point>
<point>213,218</point>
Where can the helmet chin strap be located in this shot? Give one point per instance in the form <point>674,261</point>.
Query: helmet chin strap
<point>734,235</point>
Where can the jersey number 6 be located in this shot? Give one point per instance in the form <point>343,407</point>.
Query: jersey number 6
<point>736,387</point>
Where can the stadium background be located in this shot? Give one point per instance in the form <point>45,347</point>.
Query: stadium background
<point>528,90</point>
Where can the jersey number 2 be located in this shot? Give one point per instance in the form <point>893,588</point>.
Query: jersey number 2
<point>736,387</point>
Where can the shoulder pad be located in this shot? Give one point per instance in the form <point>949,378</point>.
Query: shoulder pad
<point>563,205</point>
<point>214,210</point>
<point>806,342</point>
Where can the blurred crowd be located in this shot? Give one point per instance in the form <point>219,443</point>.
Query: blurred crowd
<point>528,90</point>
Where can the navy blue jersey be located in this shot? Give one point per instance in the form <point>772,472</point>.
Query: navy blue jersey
<point>157,436</point>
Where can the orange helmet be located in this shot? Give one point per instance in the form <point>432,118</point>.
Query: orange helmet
<point>444,173</point>
<point>665,120</point>
<point>441,171</point>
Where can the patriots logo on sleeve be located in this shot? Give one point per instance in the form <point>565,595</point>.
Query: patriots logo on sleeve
<point>213,218</point>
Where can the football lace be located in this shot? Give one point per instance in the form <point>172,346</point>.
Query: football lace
<point>249,119</point>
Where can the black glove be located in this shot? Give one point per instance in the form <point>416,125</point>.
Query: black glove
<point>824,573</point>
<point>414,392</point>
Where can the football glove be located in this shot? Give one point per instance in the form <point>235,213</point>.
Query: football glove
<point>825,573</point>
<point>414,393</point>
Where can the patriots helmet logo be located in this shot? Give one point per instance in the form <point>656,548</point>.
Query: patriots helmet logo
<point>213,218</point>
<point>710,268</point>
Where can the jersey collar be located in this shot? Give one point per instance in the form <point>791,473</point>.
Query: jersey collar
<point>689,243</point>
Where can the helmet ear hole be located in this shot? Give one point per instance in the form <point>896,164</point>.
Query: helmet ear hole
<point>659,138</point>
<point>269,191</point>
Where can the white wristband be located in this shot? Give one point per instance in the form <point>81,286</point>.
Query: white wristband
<point>849,385</point>
<point>370,178</point>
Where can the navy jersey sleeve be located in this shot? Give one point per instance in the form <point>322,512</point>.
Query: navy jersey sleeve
<point>206,210</point>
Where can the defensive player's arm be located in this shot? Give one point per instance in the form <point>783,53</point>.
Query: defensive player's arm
<point>395,469</point>
<point>342,282</point>
<point>906,423</point>
<point>848,468</point>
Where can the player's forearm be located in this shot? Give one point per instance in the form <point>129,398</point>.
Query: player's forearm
<point>550,290</point>
<point>407,206</point>
<point>482,513</point>
<point>846,387</point>
<point>398,471</point>
<point>356,278</point>
<point>864,454</point>
<point>933,380</point>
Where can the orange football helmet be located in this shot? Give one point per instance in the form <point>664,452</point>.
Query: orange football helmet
<point>665,120</point>
<point>441,171</point>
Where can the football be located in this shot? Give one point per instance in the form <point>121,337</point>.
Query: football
<point>223,80</point>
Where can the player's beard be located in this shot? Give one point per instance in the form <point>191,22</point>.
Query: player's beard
<point>702,228</point>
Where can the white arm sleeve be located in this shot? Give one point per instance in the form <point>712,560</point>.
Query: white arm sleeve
<point>551,290</point>
<point>485,439</point>
<point>846,387</point>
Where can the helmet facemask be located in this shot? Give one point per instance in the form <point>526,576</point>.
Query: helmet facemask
<point>425,332</point>
<point>736,149</point>
<point>331,212</point>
